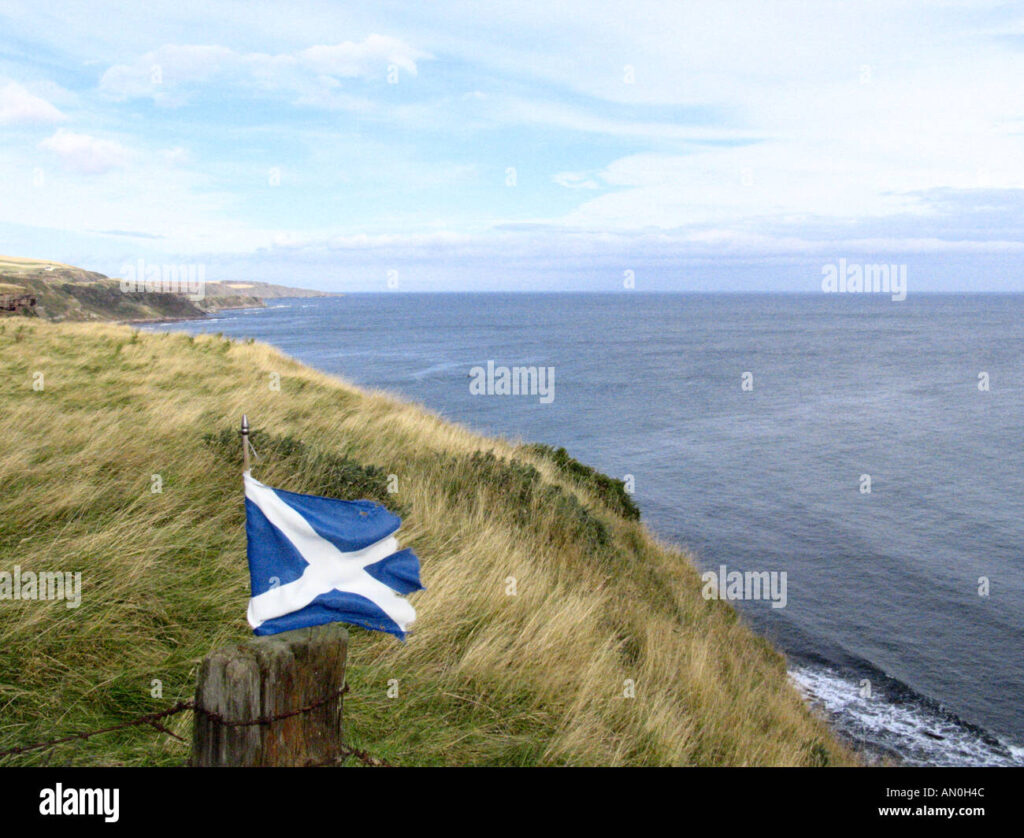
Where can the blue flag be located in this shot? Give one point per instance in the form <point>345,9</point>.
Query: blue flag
<point>318,560</point>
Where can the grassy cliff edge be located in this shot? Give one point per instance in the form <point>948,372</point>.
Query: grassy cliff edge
<point>66,293</point>
<point>545,597</point>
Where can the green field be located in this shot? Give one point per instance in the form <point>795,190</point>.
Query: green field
<point>546,598</point>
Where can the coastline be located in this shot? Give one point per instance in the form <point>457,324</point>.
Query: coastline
<point>206,315</point>
<point>895,715</point>
<point>701,687</point>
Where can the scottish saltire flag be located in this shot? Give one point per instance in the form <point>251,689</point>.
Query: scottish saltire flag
<point>318,560</point>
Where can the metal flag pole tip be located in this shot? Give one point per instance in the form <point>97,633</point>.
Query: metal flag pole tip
<point>245,443</point>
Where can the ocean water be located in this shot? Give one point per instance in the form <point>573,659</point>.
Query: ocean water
<point>882,587</point>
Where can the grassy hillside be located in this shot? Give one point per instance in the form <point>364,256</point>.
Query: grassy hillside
<point>64,292</point>
<point>486,678</point>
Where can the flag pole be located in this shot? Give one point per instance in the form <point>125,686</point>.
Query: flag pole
<point>245,442</point>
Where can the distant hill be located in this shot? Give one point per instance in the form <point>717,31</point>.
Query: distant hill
<point>263,290</point>
<point>56,291</point>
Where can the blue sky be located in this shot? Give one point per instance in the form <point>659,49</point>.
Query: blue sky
<point>527,145</point>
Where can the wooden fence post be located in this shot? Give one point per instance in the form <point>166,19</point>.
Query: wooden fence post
<point>268,677</point>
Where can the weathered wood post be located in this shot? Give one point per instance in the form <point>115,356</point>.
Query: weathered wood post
<point>270,677</point>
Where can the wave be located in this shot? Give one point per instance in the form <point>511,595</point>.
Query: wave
<point>895,721</point>
<point>444,366</point>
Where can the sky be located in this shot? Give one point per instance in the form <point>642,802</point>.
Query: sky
<point>691,146</point>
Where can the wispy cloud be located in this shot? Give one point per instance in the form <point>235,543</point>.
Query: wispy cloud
<point>311,74</point>
<point>576,180</point>
<point>545,134</point>
<point>19,107</point>
<point>85,154</point>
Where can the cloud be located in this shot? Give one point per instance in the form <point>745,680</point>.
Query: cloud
<point>19,107</point>
<point>697,125</point>
<point>86,154</point>
<point>740,132</point>
<point>576,180</point>
<point>309,73</point>
<point>361,59</point>
<point>169,65</point>
<point>129,234</point>
<point>576,248</point>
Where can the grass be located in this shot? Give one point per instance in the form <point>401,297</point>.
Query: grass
<point>546,598</point>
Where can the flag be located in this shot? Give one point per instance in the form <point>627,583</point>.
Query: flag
<point>316,560</point>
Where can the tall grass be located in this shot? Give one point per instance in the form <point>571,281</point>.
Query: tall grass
<point>547,603</point>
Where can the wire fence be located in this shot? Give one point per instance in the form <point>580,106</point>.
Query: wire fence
<point>154,720</point>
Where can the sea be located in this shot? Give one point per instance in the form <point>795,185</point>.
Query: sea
<point>869,449</point>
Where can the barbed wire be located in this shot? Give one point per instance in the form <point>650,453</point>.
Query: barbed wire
<point>149,718</point>
<point>153,720</point>
<point>266,720</point>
